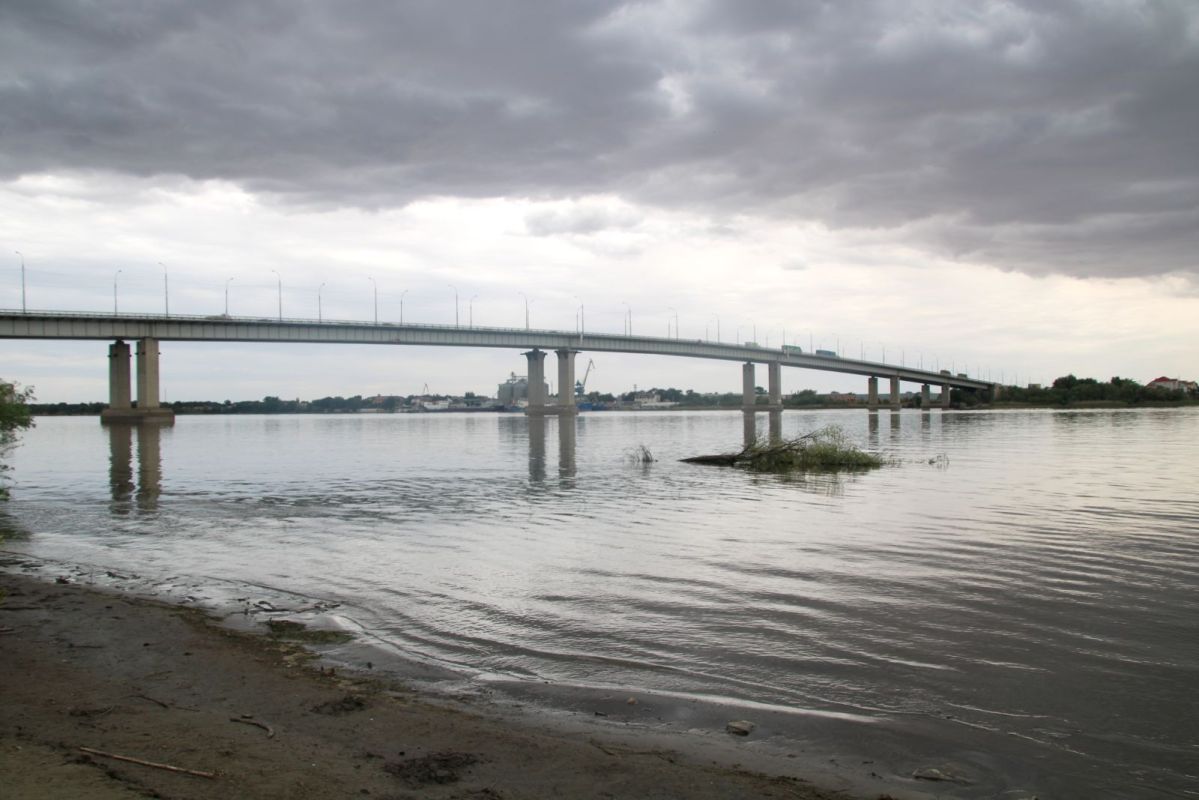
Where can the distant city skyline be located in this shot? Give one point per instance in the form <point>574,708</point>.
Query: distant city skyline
<point>1003,185</point>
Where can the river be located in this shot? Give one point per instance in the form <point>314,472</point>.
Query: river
<point>1014,599</point>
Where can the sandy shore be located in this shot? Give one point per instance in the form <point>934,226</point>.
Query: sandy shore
<point>88,668</point>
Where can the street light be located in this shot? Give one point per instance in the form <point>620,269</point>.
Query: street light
<point>582,318</point>
<point>279,278</point>
<point>522,294</point>
<point>372,280</point>
<point>114,292</point>
<point>628,318</point>
<point>18,252</point>
<point>320,316</point>
<point>455,304</point>
<point>676,322</point>
<point>402,305</point>
<point>717,329</point>
<point>166,298</point>
<point>227,297</point>
<point>470,311</point>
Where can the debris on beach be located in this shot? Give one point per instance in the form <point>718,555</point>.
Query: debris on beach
<point>827,449</point>
<point>740,727</point>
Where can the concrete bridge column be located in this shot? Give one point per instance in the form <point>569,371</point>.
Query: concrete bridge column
<point>536,373</point>
<point>147,374</point>
<point>119,396</point>
<point>926,397</point>
<point>748,397</point>
<point>872,393</point>
<point>895,393</point>
<point>120,409</point>
<point>566,381</point>
<point>945,396</point>
<point>774,376</point>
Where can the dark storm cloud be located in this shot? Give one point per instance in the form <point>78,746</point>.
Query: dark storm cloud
<point>1036,136</point>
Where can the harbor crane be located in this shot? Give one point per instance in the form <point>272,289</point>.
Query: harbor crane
<point>581,386</point>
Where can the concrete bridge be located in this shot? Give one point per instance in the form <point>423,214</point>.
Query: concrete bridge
<point>147,330</point>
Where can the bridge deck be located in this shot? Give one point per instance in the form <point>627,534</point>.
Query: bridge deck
<point>83,325</point>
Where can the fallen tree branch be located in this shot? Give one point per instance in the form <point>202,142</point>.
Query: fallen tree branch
<point>270,732</point>
<point>155,764</point>
<point>151,699</point>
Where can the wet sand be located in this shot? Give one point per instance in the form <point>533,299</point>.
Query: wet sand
<point>261,718</point>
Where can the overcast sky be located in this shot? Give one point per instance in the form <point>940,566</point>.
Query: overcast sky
<point>1010,188</point>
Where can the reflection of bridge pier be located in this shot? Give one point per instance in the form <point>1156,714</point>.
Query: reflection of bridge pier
<point>120,465</point>
<point>774,426</point>
<point>567,442</point>
<point>120,406</point>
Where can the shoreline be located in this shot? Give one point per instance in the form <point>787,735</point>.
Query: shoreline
<point>165,683</point>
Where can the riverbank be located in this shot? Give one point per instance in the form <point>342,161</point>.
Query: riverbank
<point>253,716</point>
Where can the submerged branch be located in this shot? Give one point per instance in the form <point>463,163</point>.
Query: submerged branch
<point>825,449</point>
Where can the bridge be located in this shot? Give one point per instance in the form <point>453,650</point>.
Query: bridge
<point>147,330</point>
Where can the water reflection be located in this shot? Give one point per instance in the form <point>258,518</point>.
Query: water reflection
<point>567,446</point>
<point>567,434</point>
<point>120,467</point>
<point>536,449</point>
<point>149,466</point>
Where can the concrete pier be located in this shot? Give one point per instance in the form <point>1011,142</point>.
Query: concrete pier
<point>566,381</point>
<point>536,380</point>
<point>895,404</point>
<point>148,409</point>
<point>926,397</point>
<point>749,397</point>
<point>946,397</point>
<point>872,393</point>
<point>120,398</point>
<point>774,372</point>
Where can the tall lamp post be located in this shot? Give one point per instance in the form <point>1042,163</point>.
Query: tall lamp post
<point>455,303</point>
<point>402,305</point>
<point>717,328</point>
<point>470,306</point>
<point>522,294</point>
<point>320,316</point>
<point>166,297</point>
<point>279,278</point>
<point>227,296</point>
<point>676,322</point>
<point>18,252</point>
<point>372,280</point>
<point>114,292</point>
<point>628,313</point>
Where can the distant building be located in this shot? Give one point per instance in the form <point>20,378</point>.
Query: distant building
<point>1173,385</point>
<point>514,391</point>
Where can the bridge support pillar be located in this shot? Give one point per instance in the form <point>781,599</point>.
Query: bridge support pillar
<point>120,409</point>
<point>926,397</point>
<point>895,393</point>
<point>566,381</point>
<point>748,396</point>
<point>119,396</point>
<point>774,373</point>
<point>536,382</point>
<point>945,396</point>
<point>872,393</point>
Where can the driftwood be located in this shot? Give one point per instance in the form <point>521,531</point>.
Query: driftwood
<point>270,732</point>
<point>155,764</point>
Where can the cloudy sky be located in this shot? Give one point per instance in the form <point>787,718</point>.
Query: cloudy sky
<point>1010,188</point>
